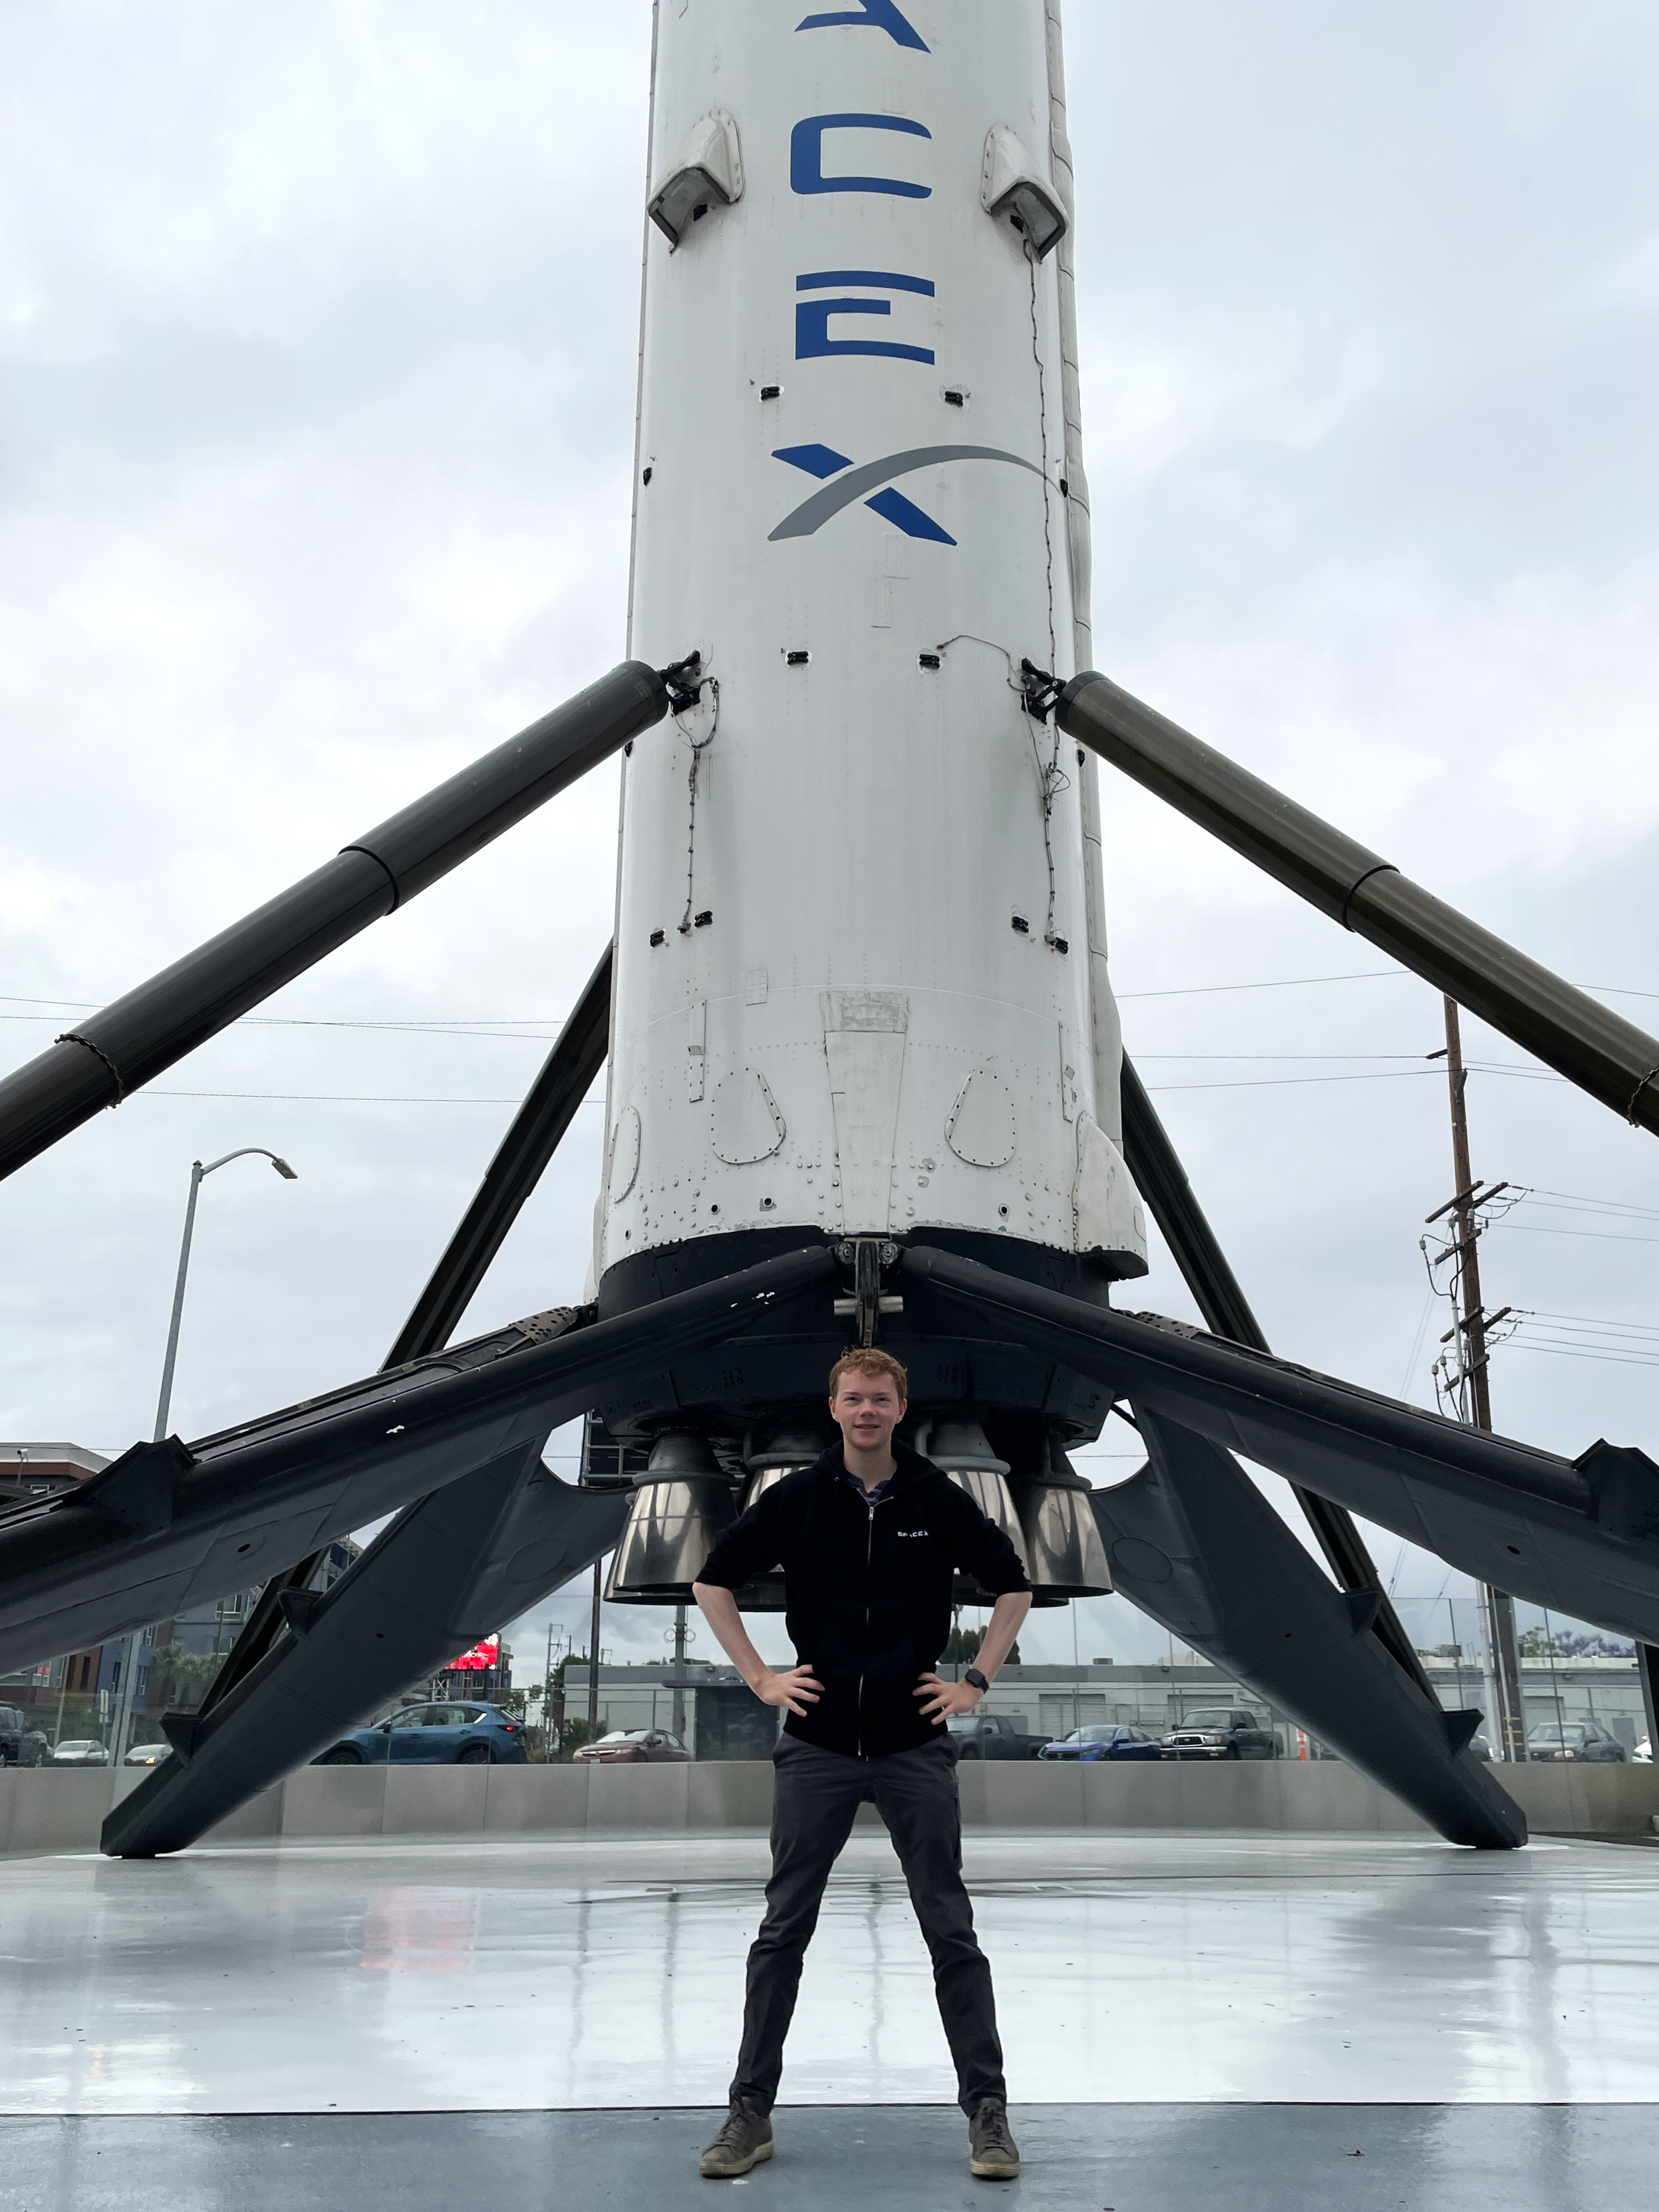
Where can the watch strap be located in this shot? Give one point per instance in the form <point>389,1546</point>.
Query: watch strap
<point>977,1680</point>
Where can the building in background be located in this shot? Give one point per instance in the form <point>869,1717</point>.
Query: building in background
<point>724,1720</point>
<point>485,1672</point>
<point>30,1471</point>
<point>180,1657</point>
<point>175,1661</point>
<point>59,1694</point>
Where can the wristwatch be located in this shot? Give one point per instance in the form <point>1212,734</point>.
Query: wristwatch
<point>977,1680</point>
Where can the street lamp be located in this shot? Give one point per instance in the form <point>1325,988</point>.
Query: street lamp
<point>198,1174</point>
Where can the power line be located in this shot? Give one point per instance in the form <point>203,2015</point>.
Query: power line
<point>341,1098</point>
<point>520,1037</point>
<point>484,1027</point>
<point>1277,984</point>
<point>1156,1090</point>
<point>1593,1321</point>
<point>1377,1075</point>
<point>1569,1201</point>
<point>508,1021</point>
<point>1601,1236</point>
<point>1278,1056</point>
<point>1563,1352</point>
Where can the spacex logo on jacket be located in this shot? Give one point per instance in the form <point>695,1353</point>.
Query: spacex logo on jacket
<point>867,1589</point>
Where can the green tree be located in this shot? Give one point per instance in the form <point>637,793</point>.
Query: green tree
<point>962,1647</point>
<point>574,1733</point>
<point>178,1680</point>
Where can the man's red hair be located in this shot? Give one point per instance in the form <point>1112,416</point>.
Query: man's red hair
<point>865,1359</point>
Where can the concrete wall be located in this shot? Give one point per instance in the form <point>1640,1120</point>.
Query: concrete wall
<point>42,1811</point>
<point>1284,1794</point>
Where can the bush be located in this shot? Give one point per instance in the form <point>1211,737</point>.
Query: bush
<point>178,1680</point>
<point>576,1735</point>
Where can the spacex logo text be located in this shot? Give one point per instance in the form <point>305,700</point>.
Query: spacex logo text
<point>812,514</point>
<point>812,338</point>
<point>821,164</point>
<point>806,176</point>
<point>870,15</point>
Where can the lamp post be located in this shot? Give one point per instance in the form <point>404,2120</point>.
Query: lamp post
<point>198,1174</point>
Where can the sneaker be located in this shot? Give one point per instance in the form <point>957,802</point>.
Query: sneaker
<point>742,2143</point>
<point>993,2153</point>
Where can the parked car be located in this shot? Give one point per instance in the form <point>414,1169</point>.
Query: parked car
<point>148,1755</point>
<point>81,1751</point>
<point>1104,1740</point>
<point>632,1747</point>
<point>1222,1732</point>
<point>22,1744</point>
<point>450,1735</point>
<point>1553,1740</point>
<point>1642,1754</point>
<point>991,1736</point>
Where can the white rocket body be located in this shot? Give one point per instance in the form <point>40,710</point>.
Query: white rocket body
<point>859,988</point>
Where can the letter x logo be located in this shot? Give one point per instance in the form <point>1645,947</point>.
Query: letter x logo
<point>824,461</point>
<point>873,15</point>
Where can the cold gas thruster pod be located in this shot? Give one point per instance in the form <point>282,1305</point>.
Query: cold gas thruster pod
<point>856,988</point>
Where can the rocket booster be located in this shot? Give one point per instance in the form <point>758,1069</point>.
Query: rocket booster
<point>860,978</point>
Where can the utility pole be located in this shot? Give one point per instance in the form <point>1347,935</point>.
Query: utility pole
<point>679,1672</point>
<point>593,1655</point>
<point>1474,1376</point>
<point>1647,1660</point>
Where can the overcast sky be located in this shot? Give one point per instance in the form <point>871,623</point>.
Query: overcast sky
<point>317,341</point>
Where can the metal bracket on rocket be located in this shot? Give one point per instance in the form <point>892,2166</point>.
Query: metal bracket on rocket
<point>683,682</point>
<point>1040,691</point>
<point>867,1257</point>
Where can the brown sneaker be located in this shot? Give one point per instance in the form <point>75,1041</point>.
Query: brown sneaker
<point>741,2144</point>
<point>993,2153</point>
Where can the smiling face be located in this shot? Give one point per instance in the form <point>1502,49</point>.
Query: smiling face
<point>867,1409</point>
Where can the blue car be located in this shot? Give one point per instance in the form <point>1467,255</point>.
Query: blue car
<point>452,1735</point>
<point>1105,1739</point>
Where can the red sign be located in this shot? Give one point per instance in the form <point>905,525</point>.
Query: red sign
<point>482,1659</point>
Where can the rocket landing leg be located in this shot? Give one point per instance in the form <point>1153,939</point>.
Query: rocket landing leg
<point>449,1570</point>
<point>1195,1543</point>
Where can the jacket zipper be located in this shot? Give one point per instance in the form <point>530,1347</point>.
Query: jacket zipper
<point>869,1548</point>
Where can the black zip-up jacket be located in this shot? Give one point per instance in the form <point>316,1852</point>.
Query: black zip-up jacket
<point>867,1589</point>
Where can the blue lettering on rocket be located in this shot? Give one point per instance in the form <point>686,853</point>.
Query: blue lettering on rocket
<point>816,460</point>
<point>812,338</point>
<point>893,507</point>
<point>872,15</point>
<point>880,280</point>
<point>806,156</point>
<point>824,461</point>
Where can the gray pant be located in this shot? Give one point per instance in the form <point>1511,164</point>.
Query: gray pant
<point>819,1794</point>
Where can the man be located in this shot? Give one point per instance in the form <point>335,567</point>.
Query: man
<point>869,1538</point>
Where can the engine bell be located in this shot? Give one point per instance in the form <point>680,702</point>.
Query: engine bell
<point>962,1451</point>
<point>1065,1555</point>
<point>792,1447</point>
<point>682,1505</point>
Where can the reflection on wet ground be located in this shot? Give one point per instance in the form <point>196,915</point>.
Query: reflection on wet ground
<point>566,1973</point>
